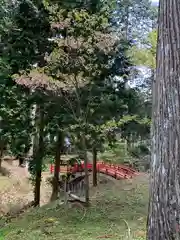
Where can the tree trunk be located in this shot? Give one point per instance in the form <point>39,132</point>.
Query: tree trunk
<point>86,179</point>
<point>33,116</point>
<point>164,203</point>
<point>21,160</point>
<point>59,148</point>
<point>1,154</point>
<point>39,158</point>
<point>94,166</point>
<point>2,149</point>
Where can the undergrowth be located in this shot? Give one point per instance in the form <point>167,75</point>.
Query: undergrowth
<point>118,211</point>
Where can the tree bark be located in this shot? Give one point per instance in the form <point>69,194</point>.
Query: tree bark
<point>21,160</point>
<point>1,154</point>
<point>2,150</point>
<point>94,166</point>
<point>164,204</point>
<point>86,179</point>
<point>33,116</point>
<point>39,158</point>
<point>59,148</point>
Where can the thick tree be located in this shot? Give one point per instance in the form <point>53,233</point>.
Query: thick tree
<point>164,211</point>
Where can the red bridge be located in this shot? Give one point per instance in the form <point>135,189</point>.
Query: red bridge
<point>114,170</point>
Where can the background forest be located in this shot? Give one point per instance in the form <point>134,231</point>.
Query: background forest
<point>75,83</point>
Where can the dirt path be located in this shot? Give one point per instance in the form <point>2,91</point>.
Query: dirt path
<point>16,190</point>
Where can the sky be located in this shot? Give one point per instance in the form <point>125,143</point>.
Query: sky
<point>155,1</point>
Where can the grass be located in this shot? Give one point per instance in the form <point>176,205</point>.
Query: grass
<point>118,211</point>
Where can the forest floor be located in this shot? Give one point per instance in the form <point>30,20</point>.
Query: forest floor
<point>118,211</point>
<point>16,190</point>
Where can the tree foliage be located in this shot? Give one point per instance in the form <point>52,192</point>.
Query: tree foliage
<point>66,61</point>
<point>135,18</point>
<point>146,54</point>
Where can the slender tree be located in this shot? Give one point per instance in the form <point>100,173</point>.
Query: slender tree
<point>39,153</point>
<point>164,210</point>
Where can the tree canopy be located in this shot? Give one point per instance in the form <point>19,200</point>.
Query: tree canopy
<point>68,62</point>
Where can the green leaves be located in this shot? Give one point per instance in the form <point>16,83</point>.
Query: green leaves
<point>129,124</point>
<point>146,55</point>
<point>14,111</point>
<point>26,42</point>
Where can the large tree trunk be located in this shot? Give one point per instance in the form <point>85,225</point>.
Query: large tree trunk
<point>39,158</point>
<point>59,149</point>
<point>94,166</point>
<point>164,203</point>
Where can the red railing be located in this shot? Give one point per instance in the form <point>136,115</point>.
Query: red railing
<point>113,170</point>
